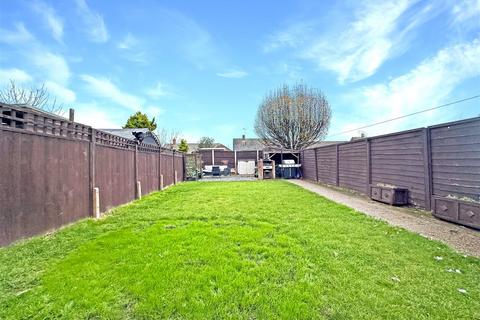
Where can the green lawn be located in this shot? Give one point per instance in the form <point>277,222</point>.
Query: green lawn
<point>243,250</point>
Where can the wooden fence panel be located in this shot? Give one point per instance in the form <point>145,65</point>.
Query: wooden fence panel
<point>248,155</point>
<point>353,166</point>
<point>179,167</point>
<point>44,183</point>
<point>148,174</point>
<point>114,176</point>
<point>206,157</point>
<point>308,164</point>
<point>167,169</point>
<point>456,160</point>
<point>225,158</point>
<point>327,164</point>
<point>399,160</point>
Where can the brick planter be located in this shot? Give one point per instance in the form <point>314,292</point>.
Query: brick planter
<point>391,195</point>
<point>462,212</point>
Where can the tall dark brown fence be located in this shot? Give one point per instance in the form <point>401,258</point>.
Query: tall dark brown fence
<point>49,167</point>
<point>433,163</point>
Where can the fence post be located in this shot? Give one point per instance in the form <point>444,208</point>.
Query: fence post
<point>369,168</point>
<point>213,157</point>
<point>96,202</point>
<point>160,169</point>
<point>135,170</point>
<point>173,165</point>
<point>337,178</point>
<point>184,167</point>
<point>316,163</point>
<point>427,165</point>
<point>91,174</point>
<point>235,161</point>
<point>139,190</point>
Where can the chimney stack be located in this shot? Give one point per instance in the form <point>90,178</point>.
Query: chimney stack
<point>243,136</point>
<point>174,141</point>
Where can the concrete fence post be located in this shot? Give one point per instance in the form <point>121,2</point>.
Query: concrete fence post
<point>369,168</point>
<point>139,190</point>
<point>337,173</point>
<point>427,167</point>
<point>161,181</point>
<point>96,203</point>
<point>91,173</point>
<point>175,177</point>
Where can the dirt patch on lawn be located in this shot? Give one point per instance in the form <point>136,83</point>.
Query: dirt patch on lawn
<point>461,238</point>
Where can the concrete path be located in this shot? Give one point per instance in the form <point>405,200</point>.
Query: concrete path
<point>463,239</point>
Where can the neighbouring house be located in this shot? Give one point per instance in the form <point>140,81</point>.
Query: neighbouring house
<point>194,147</point>
<point>148,137</point>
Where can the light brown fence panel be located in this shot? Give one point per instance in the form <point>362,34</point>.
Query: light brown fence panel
<point>398,160</point>
<point>327,164</point>
<point>114,176</point>
<point>353,166</point>
<point>148,175</point>
<point>456,160</point>
<point>308,164</point>
<point>43,183</point>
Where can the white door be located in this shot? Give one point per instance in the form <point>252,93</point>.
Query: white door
<point>246,167</point>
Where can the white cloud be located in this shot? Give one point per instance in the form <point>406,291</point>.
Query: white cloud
<point>234,73</point>
<point>192,40</point>
<point>54,23</point>
<point>94,23</point>
<point>154,111</point>
<point>17,36</point>
<point>128,42</point>
<point>293,36</point>
<point>378,31</point>
<point>93,115</point>
<point>466,10</point>
<point>367,42</point>
<point>430,84</point>
<point>19,76</point>
<point>53,65</point>
<point>157,91</point>
<point>105,88</point>
<point>63,94</point>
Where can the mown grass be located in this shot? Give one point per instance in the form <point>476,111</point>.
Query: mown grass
<point>243,250</point>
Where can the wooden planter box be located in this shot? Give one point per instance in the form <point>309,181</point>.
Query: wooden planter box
<point>391,195</point>
<point>458,211</point>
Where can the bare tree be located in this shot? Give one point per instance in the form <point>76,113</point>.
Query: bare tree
<point>293,117</point>
<point>166,136</point>
<point>33,97</point>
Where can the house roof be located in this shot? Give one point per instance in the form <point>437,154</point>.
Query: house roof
<point>150,137</point>
<point>241,144</point>
<point>194,147</point>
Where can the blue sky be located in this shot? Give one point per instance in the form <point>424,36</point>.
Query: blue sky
<point>202,67</point>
